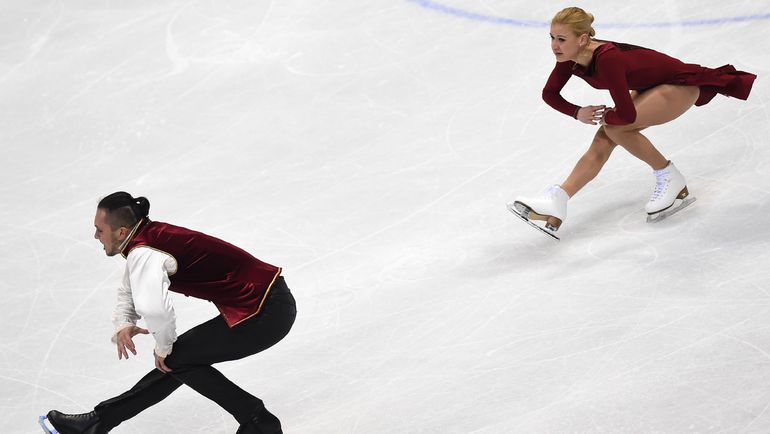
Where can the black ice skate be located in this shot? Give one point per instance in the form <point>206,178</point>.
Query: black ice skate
<point>262,422</point>
<point>85,423</point>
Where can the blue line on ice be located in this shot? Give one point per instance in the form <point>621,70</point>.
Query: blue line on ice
<point>449,10</point>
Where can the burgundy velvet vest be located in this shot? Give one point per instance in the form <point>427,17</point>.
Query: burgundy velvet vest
<point>210,269</point>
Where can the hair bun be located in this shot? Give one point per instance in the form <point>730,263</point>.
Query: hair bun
<point>143,206</point>
<point>578,20</point>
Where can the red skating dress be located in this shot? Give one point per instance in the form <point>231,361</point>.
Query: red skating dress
<point>621,67</point>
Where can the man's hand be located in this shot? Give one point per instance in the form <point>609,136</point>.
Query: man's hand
<point>591,114</point>
<point>160,363</point>
<point>125,342</point>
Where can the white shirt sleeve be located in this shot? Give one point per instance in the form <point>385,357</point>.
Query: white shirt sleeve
<point>125,315</point>
<point>147,272</point>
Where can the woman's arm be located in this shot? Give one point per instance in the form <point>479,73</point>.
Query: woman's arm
<point>552,91</point>
<point>612,70</point>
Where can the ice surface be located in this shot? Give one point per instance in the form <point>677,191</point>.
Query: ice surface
<point>369,147</point>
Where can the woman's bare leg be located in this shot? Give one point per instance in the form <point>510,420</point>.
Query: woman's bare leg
<point>590,163</point>
<point>656,106</point>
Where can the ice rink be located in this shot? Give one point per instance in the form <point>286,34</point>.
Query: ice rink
<point>369,148</point>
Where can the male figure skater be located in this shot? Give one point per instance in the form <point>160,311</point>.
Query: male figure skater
<point>256,311</point>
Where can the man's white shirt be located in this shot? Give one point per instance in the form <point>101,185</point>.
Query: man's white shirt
<point>144,294</point>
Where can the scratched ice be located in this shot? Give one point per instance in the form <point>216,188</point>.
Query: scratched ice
<point>370,148</point>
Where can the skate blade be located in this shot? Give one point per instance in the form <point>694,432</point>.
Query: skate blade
<point>41,420</point>
<point>673,209</point>
<point>525,210</point>
<point>523,213</point>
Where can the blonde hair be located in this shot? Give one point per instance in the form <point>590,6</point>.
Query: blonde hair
<point>577,19</point>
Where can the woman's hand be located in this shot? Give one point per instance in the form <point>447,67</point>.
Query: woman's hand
<point>125,342</point>
<point>591,114</point>
<point>603,122</point>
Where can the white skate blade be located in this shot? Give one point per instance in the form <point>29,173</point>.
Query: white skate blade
<point>41,420</point>
<point>522,214</point>
<point>678,205</point>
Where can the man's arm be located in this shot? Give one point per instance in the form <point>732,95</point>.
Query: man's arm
<point>124,319</point>
<point>149,282</point>
<point>125,314</point>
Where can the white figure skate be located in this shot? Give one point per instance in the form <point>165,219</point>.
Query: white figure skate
<point>670,195</point>
<point>550,206</point>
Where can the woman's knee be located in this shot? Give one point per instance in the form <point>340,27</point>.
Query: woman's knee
<point>616,133</point>
<point>603,142</point>
<point>601,136</point>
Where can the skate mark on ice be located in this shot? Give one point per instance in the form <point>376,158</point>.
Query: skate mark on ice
<point>710,335</point>
<point>626,248</point>
<point>39,387</point>
<point>65,325</point>
<point>37,46</point>
<point>757,417</point>
<point>410,216</point>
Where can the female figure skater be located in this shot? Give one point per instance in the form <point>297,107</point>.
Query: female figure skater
<point>648,88</point>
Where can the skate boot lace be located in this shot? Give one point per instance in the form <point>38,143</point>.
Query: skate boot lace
<point>661,185</point>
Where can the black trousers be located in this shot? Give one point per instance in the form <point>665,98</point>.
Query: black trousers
<point>197,349</point>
